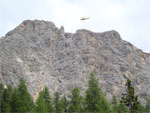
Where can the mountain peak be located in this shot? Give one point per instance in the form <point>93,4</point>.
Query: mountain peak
<point>47,56</point>
<point>37,26</point>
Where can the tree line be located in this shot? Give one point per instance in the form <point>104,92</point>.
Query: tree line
<point>19,100</point>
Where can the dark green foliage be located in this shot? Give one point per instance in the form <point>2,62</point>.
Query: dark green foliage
<point>43,103</point>
<point>136,105</point>
<point>142,109</point>
<point>21,100</point>
<point>5,107</point>
<point>65,104</point>
<point>40,105</point>
<point>1,94</point>
<point>58,107</point>
<point>129,98</point>
<point>95,100</point>
<point>48,100</point>
<point>114,100</point>
<point>14,104</point>
<point>118,107</point>
<point>6,99</point>
<point>76,101</point>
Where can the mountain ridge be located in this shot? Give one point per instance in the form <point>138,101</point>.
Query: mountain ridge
<point>45,55</point>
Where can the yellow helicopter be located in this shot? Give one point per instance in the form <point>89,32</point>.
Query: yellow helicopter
<point>84,18</point>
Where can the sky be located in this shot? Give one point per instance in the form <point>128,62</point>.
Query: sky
<point>131,18</point>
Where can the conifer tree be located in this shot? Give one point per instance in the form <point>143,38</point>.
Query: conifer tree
<point>129,98</point>
<point>118,107</point>
<point>76,102</point>
<point>114,100</point>
<point>57,104</point>
<point>48,100</point>
<point>95,100</point>
<point>21,99</point>
<point>1,94</point>
<point>6,99</point>
<point>65,104</point>
<point>40,106</point>
<point>14,104</point>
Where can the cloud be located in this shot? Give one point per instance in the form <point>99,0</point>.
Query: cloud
<point>129,17</point>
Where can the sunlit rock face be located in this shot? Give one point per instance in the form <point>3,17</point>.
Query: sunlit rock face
<point>45,55</point>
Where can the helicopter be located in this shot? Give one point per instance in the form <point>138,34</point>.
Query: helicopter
<point>84,18</point>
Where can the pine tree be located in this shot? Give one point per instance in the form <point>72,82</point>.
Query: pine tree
<point>21,99</point>
<point>57,104</point>
<point>118,107</point>
<point>48,100</point>
<point>129,98</point>
<point>1,94</point>
<point>76,102</point>
<point>95,100</point>
<point>14,104</point>
<point>114,100</point>
<point>6,99</point>
<point>65,104</point>
<point>114,104</point>
<point>40,106</point>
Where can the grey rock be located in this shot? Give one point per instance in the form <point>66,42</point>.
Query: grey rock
<point>45,55</point>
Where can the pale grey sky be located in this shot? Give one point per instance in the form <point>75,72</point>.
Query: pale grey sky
<point>131,18</point>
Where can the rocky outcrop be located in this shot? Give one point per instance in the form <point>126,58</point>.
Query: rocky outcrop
<point>47,56</point>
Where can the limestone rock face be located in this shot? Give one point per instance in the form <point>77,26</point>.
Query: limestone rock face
<point>47,56</point>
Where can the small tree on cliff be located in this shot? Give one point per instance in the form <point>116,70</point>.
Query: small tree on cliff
<point>118,107</point>
<point>58,107</point>
<point>65,104</point>
<point>1,94</point>
<point>6,99</point>
<point>47,99</point>
<point>95,100</point>
<point>40,105</point>
<point>76,101</point>
<point>21,99</point>
<point>129,98</point>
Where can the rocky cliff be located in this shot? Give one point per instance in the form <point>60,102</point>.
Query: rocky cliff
<point>47,56</point>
